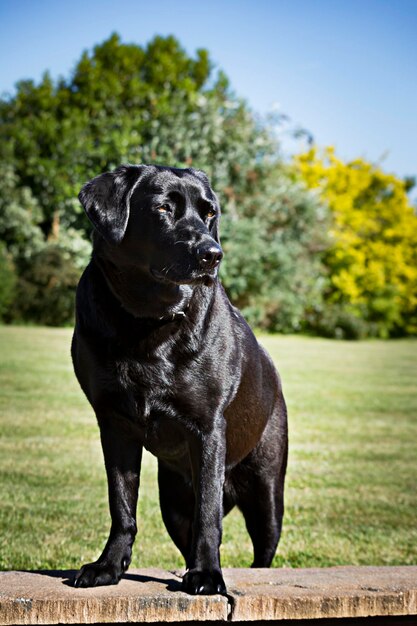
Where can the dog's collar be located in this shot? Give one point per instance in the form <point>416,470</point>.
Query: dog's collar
<point>175,317</point>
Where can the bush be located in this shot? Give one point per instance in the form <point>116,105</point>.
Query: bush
<point>7,282</point>
<point>46,287</point>
<point>337,322</point>
<point>274,238</point>
<point>372,263</point>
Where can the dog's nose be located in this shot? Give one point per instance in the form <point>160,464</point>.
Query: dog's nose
<point>209,257</point>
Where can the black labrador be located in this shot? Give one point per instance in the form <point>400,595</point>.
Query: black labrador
<point>169,364</point>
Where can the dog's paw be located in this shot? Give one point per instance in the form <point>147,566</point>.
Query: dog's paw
<point>97,574</point>
<point>203,582</point>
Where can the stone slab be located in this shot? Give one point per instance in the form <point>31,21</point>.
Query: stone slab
<point>153,595</point>
<point>335,592</point>
<point>149,595</point>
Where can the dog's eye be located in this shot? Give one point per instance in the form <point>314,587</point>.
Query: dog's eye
<point>210,214</point>
<point>164,208</point>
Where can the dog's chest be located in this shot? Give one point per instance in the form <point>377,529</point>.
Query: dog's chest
<point>158,381</point>
<point>153,386</point>
<point>150,380</point>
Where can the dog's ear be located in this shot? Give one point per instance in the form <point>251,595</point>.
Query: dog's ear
<point>106,200</point>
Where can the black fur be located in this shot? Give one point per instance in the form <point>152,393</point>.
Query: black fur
<point>170,365</point>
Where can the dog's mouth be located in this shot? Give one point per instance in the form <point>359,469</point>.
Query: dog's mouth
<point>194,278</point>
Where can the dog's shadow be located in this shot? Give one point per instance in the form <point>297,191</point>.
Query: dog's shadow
<point>171,584</point>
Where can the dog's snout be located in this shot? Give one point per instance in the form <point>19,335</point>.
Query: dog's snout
<point>209,257</point>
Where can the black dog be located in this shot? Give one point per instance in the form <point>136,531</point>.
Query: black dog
<point>169,364</point>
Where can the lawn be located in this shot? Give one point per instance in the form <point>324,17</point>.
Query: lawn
<point>351,493</point>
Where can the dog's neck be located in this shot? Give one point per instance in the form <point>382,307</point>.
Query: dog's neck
<point>141,295</point>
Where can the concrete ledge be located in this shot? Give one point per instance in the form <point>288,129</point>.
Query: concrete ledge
<point>153,595</point>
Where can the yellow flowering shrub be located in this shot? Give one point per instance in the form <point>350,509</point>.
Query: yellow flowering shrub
<point>372,262</point>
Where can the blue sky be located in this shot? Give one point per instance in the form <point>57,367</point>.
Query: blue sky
<point>344,69</point>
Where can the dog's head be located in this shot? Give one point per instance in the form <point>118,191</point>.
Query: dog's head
<point>161,220</point>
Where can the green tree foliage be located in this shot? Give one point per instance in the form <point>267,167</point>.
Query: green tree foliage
<point>122,103</point>
<point>27,258</point>
<point>274,236</point>
<point>20,216</point>
<point>7,282</point>
<point>46,287</point>
<point>153,104</point>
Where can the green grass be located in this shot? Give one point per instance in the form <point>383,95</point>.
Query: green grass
<point>351,488</point>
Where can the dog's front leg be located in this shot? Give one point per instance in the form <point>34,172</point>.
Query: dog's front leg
<point>208,452</point>
<point>122,456</point>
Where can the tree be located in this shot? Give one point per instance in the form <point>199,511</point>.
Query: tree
<point>114,108</point>
<point>155,104</point>
<point>274,239</point>
<point>7,282</point>
<point>46,287</point>
<point>373,259</point>
<point>20,216</point>
<point>38,276</point>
